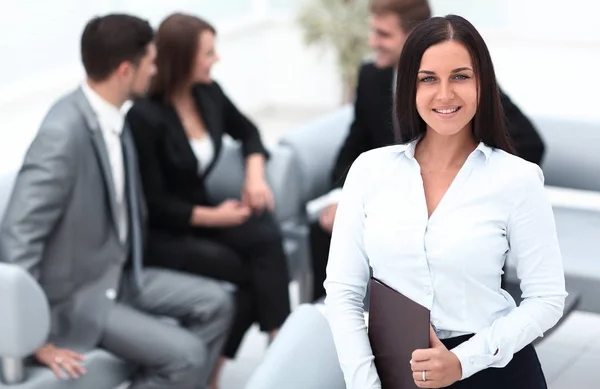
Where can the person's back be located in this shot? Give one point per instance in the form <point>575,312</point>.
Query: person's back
<point>391,22</point>
<point>76,219</point>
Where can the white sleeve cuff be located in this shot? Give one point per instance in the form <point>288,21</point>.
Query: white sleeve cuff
<point>470,362</point>
<point>316,206</point>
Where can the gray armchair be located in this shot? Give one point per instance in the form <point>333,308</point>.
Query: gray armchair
<point>226,180</point>
<point>572,159</point>
<point>314,147</point>
<point>24,326</point>
<point>303,356</point>
<point>572,162</point>
<point>25,322</point>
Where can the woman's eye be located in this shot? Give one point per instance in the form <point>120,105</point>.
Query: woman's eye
<point>461,77</point>
<point>427,79</point>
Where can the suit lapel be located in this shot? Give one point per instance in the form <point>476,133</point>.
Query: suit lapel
<point>133,195</point>
<point>209,111</point>
<point>387,85</point>
<point>101,151</point>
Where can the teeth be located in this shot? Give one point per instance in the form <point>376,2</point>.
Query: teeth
<point>446,110</point>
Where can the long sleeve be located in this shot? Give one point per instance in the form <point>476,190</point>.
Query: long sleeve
<point>346,284</point>
<point>527,141</point>
<point>164,208</point>
<point>357,141</point>
<point>241,128</point>
<point>534,248</point>
<point>40,193</point>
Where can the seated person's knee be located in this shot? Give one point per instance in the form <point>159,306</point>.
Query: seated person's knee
<point>190,358</point>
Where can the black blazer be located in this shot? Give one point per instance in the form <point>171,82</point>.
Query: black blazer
<point>168,166</point>
<point>372,126</point>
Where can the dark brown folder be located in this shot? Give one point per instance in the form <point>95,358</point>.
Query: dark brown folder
<point>397,327</point>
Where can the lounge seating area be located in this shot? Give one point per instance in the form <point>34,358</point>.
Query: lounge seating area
<point>298,171</point>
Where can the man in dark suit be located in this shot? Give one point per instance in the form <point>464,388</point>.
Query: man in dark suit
<point>76,221</point>
<point>391,22</point>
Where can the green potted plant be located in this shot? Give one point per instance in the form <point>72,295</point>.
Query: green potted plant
<point>341,25</point>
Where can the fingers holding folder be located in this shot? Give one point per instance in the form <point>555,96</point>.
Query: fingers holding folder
<point>403,346</point>
<point>441,366</point>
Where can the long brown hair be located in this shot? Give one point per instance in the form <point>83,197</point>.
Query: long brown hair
<point>489,124</point>
<point>176,45</point>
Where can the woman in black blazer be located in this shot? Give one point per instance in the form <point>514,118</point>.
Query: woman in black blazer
<point>178,133</point>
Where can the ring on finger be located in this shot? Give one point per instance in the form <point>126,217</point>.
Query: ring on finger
<point>424,375</point>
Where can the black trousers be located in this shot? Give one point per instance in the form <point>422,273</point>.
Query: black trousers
<point>250,256</point>
<point>320,241</point>
<point>524,371</point>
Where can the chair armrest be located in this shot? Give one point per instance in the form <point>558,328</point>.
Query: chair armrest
<point>587,200</point>
<point>303,355</point>
<point>315,145</point>
<point>25,320</point>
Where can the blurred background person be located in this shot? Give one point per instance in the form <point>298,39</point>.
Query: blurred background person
<point>178,132</point>
<point>75,221</point>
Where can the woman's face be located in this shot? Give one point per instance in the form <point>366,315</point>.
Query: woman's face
<point>447,88</point>
<point>206,57</point>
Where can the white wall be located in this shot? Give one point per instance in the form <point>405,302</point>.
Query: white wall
<point>263,59</point>
<point>545,57</point>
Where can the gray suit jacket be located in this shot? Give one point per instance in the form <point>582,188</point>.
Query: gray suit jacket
<point>60,223</point>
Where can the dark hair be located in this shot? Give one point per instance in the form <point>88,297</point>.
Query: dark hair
<point>177,44</point>
<point>107,41</point>
<point>409,12</point>
<point>489,125</point>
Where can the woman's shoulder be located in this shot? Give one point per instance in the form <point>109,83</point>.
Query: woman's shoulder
<point>148,109</point>
<point>147,105</point>
<point>384,153</point>
<point>515,170</point>
<point>377,159</point>
<point>212,89</point>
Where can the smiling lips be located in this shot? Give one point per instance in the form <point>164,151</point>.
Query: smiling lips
<point>446,112</point>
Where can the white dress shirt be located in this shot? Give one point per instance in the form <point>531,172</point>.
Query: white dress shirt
<point>111,120</point>
<point>451,262</point>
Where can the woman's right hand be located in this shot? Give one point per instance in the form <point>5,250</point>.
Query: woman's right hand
<point>227,214</point>
<point>231,213</point>
<point>61,360</point>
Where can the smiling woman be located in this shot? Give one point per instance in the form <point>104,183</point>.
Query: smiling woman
<point>449,69</point>
<point>436,217</point>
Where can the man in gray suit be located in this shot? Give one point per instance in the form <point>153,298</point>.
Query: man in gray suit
<point>76,219</point>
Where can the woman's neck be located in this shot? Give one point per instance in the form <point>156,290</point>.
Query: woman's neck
<point>441,152</point>
<point>182,97</point>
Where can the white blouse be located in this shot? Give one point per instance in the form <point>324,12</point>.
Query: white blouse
<point>450,263</point>
<point>204,150</point>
